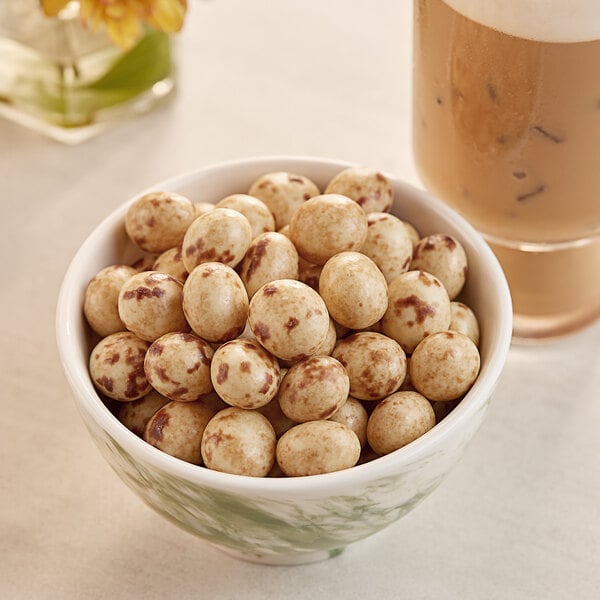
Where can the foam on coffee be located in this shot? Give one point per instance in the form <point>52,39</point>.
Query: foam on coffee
<point>546,21</point>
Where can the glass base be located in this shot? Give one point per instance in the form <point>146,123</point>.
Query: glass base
<point>101,121</point>
<point>529,331</point>
<point>555,289</point>
<point>69,83</point>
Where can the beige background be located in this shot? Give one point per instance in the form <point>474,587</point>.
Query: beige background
<point>520,515</point>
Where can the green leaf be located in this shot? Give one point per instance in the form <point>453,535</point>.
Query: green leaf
<point>147,62</point>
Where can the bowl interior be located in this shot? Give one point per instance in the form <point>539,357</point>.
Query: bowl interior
<point>486,292</point>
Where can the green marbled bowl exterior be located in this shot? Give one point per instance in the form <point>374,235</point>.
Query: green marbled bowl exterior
<point>263,527</point>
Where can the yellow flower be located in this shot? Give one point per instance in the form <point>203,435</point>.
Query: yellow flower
<point>53,7</point>
<point>123,18</point>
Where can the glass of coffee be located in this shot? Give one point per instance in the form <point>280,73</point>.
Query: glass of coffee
<point>506,126</point>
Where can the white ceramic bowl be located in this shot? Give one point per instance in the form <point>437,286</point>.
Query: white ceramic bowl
<point>286,520</point>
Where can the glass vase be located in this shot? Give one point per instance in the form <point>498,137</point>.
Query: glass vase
<point>70,83</point>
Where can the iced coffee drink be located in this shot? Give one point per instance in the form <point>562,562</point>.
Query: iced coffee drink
<point>507,131</point>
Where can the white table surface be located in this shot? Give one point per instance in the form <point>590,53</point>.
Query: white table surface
<point>519,517</point>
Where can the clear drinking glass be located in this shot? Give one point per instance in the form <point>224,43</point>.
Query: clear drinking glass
<point>68,82</point>
<point>506,129</point>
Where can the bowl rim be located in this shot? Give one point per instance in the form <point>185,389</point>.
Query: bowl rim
<point>69,310</point>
